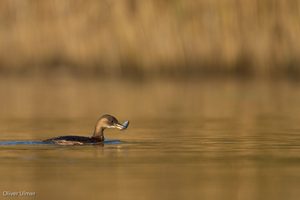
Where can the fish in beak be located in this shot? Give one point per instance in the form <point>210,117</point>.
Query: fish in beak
<point>121,126</point>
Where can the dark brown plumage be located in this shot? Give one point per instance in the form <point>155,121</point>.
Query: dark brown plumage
<point>106,121</point>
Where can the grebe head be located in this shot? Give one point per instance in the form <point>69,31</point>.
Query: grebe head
<point>108,121</point>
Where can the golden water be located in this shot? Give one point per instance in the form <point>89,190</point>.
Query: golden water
<point>187,140</point>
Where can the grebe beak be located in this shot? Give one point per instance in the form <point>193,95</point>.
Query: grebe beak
<point>121,126</point>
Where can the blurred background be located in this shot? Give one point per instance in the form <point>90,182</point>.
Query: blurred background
<point>82,56</point>
<point>131,38</point>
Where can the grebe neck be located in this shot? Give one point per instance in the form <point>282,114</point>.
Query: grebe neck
<point>98,133</point>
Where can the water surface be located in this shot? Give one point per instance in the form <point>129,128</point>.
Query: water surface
<point>195,141</point>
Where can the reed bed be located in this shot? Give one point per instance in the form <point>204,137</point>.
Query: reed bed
<point>150,37</point>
